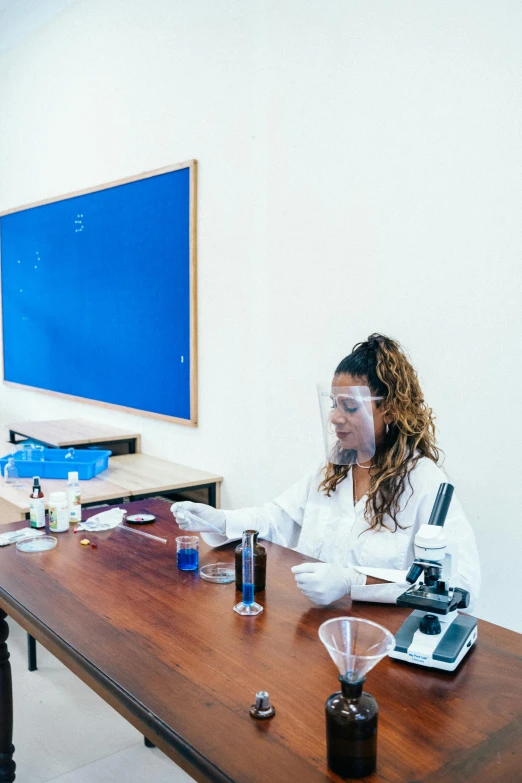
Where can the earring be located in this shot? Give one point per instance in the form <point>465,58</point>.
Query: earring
<point>387,428</point>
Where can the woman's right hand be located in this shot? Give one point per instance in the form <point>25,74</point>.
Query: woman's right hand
<point>199,518</point>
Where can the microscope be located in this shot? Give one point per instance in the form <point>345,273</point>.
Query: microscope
<point>435,635</point>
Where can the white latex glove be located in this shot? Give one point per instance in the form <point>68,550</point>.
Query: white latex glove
<point>199,518</point>
<point>324,583</point>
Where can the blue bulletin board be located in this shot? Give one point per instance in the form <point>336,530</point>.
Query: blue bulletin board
<point>99,295</point>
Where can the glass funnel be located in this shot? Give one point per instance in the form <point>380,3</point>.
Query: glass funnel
<point>354,645</point>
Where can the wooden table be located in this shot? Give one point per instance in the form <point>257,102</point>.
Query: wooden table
<point>15,500</point>
<point>63,433</point>
<point>128,476</point>
<point>143,475</point>
<point>166,650</point>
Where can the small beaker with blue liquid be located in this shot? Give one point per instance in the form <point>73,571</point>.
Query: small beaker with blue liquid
<point>248,606</point>
<point>187,553</point>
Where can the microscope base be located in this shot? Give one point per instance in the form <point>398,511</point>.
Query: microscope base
<point>442,651</point>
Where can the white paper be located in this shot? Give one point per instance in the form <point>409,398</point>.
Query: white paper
<point>103,521</point>
<point>16,535</point>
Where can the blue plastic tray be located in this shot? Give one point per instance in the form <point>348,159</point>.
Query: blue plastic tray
<point>88,463</point>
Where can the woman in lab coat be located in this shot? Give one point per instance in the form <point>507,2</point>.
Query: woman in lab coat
<point>359,513</point>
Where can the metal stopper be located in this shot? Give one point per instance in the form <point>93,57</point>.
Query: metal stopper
<point>262,708</point>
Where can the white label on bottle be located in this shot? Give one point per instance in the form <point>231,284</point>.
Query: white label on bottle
<point>74,500</point>
<point>58,517</point>
<point>37,512</point>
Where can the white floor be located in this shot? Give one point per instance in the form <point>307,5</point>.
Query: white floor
<point>65,733</point>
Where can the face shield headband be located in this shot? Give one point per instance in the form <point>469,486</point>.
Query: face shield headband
<point>348,425</point>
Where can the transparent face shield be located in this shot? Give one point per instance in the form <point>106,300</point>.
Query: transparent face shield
<point>347,419</point>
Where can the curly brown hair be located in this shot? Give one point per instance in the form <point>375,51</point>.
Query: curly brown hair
<point>382,364</point>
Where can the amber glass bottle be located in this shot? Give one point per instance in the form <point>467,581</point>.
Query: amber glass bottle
<point>259,565</point>
<point>351,730</point>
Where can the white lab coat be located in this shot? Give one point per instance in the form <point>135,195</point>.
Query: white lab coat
<point>333,529</point>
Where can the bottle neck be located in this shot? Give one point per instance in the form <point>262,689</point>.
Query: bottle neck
<point>351,689</point>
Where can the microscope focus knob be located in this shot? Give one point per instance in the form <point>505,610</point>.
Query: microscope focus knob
<point>464,599</point>
<point>430,625</point>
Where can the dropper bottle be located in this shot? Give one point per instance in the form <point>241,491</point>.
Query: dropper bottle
<point>37,504</point>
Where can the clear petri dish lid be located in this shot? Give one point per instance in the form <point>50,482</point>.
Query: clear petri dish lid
<point>219,573</point>
<point>37,543</point>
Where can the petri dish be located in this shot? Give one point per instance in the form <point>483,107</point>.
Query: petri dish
<point>219,573</point>
<point>140,519</point>
<point>37,543</point>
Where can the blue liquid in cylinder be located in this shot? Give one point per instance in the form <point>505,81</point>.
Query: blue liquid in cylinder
<point>188,559</point>
<point>248,594</point>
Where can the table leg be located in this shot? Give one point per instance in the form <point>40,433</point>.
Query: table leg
<point>212,495</point>
<point>31,653</point>
<point>7,765</point>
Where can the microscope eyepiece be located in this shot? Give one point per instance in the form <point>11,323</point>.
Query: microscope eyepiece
<point>441,505</point>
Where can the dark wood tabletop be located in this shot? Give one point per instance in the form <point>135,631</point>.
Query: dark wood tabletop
<point>166,650</point>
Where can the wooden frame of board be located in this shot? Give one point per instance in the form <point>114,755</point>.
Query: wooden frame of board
<point>193,421</point>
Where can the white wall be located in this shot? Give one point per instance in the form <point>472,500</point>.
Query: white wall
<point>359,171</point>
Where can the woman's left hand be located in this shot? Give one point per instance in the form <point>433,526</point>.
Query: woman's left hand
<point>324,583</point>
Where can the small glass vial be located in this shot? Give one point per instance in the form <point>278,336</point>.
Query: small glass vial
<point>58,512</point>
<point>74,497</point>
<point>11,475</point>
<point>37,504</point>
<point>259,564</point>
<point>351,730</point>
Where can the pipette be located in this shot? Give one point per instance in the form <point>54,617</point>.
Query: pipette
<point>94,525</point>
<point>182,515</point>
<point>141,533</point>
